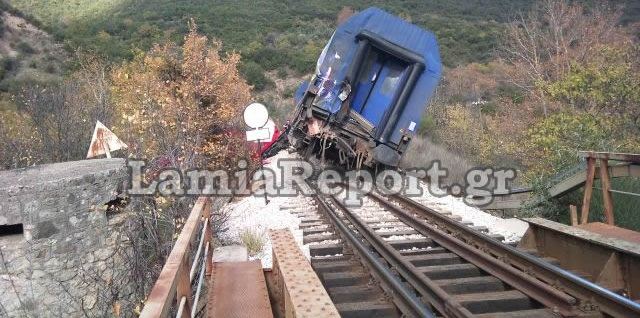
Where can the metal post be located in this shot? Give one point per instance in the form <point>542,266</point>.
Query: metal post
<point>264,178</point>
<point>107,151</point>
<point>606,191</point>
<point>573,212</point>
<point>588,190</point>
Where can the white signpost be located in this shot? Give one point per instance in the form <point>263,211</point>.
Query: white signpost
<point>256,116</point>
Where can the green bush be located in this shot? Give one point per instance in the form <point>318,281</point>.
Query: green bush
<point>282,72</point>
<point>7,65</point>
<point>489,108</point>
<point>611,84</point>
<point>254,74</point>
<point>427,126</point>
<point>555,139</point>
<point>25,48</point>
<point>515,94</point>
<point>289,91</point>
<point>269,58</point>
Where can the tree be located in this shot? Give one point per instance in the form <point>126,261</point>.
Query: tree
<point>63,114</point>
<point>182,104</point>
<point>555,35</point>
<point>608,85</point>
<point>20,145</point>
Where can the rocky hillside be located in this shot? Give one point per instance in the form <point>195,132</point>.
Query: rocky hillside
<point>27,54</point>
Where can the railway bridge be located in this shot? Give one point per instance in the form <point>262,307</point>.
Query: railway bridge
<point>400,257</point>
<point>393,256</point>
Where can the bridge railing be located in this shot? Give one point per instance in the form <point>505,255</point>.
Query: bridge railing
<point>181,280</point>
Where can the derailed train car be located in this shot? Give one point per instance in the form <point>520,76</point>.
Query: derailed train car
<point>372,84</point>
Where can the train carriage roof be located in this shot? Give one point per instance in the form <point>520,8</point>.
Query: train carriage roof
<point>339,53</point>
<point>396,31</point>
<point>401,39</point>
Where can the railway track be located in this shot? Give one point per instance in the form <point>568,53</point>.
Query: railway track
<point>394,257</point>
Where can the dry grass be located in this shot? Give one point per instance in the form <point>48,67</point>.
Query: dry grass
<point>253,241</point>
<point>423,152</point>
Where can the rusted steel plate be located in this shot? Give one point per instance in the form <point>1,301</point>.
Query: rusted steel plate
<point>238,290</point>
<point>592,236</point>
<point>612,231</point>
<point>296,282</point>
<point>606,255</point>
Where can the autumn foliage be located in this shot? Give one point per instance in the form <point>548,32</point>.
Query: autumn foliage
<point>565,79</point>
<point>182,105</point>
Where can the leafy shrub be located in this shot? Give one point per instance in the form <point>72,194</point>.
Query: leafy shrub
<point>183,104</point>
<point>25,48</point>
<point>610,83</point>
<point>489,107</point>
<point>427,125</point>
<point>269,58</point>
<point>254,74</point>
<point>289,91</point>
<point>282,72</point>
<point>50,68</point>
<point>7,65</point>
<point>555,140</point>
<point>515,94</point>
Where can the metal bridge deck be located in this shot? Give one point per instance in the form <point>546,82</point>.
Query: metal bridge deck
<point>238,289</point>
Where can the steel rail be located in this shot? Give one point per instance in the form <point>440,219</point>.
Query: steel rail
<point>589,296</point>
<point>545,294</point>
<point>402,296</point>
<point>430,291</point>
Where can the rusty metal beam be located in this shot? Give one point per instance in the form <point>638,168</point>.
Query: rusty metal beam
<point>295,282</point>
<point>238,290</point>
<point>617,156</point>
<point>573,214</point>
<point>606,260</point>
<point>588,190</point>
<point>606,191</point>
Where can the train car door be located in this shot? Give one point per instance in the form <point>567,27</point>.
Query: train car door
<point>381,78</point>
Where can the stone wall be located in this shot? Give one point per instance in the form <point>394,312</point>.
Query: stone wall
<point>66,263</point>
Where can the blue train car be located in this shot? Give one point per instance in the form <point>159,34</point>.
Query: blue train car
<point>372,84</point>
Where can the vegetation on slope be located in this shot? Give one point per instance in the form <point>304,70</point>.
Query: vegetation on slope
<point>27,54</point>
<point>567,79</point>
<point>269,34</point>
